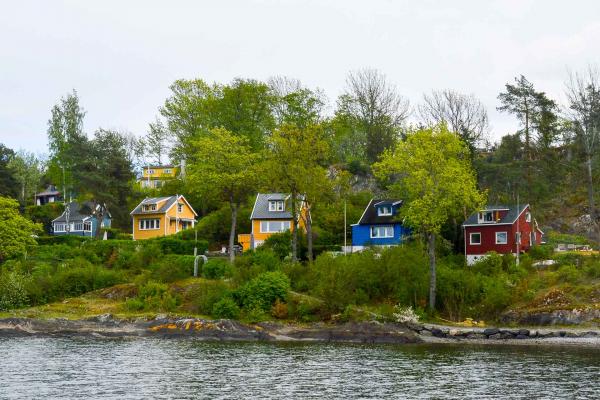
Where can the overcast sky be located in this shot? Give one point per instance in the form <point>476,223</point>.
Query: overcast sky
<point>121,56</point>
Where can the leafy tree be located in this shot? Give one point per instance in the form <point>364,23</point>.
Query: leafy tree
<point>293,163</point>
<point>431,171</point>
<point>105,175</point>
<point>8,183</point>
<point>16,231</point>
<point>156,141</point>
<point>27,170</point>
<point>373,106</point>
<point>224,164</point>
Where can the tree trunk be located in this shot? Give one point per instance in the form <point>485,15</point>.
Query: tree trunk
<point>309,238</point>
<point>590,187</point>
<point>431,253</point>
<point>295,229</point>
<point>234,210</point>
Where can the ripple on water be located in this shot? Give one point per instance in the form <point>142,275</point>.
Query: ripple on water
<point>152,368</point>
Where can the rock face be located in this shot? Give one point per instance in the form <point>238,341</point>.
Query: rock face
<point>222,330</point>
<point>556,317</point>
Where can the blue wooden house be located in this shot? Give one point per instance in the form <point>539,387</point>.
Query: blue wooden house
<point>80,220</point>
<point>379,225</point>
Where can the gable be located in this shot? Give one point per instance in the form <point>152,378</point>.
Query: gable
<point>381,211</point>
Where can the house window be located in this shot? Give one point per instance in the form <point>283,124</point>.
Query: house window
<point>185,224</point>
<point>148,224</point>
<point>518,237</point>
<point>274,226</point>
<point>486,216</point>
<point>87,226</point>
<point>276,205</point>
<point>179,208</point>
<point>78,226</point>
<point>501,237</point>
<point>384,231</point>
<point>528,217</point>
<point>150,172</point>
<point>149,207</point>
<point>167,171</point>
<point>384,210</point>
<point>59,227</point>
<point>475,238</point>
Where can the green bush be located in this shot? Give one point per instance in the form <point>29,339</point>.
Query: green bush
<point>226,308</point>
<point>157,297</point>
<point>216,268</point>
<point>593,269</point>
<point>174,245</point>
<point>173,267</point>
<point>541,252</point>
<point>262,291</point>
<point>13,292</point>
<point>569,274</point>
<point>204,295</point>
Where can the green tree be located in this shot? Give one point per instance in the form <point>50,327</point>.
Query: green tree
<point>156,141</point>
<point>27,170</point>
<point>8,183</point>
<point>224,165</point>
<point>16,231</point>
<point>431,171</point>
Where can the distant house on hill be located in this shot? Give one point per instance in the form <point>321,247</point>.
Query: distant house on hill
<point>503,229</point>
<point>162,216</point>
<point>155,176</point>
<point>50,195</point>
<point>79,220</point>
<point>272,213</point>
<point>379,225</point>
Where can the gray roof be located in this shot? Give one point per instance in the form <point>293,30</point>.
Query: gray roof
<point>77,212</point>
<point>370,215</point>
<point>152,200</point>
<point>509,218</point>
<point>50,191</point>
<point>261,207</point>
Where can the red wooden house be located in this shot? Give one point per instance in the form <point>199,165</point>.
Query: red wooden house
<point>503,229</point>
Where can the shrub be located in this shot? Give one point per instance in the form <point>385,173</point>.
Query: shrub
<point>541,252</point>
<point>172,268</point>
<point>262,291</point>
<point>305,309</point>
<point>279,309</point>
<point>569,273</point>
<point>204,295</point>
<point>405,314</point>
<point>593,270</point>
<point>157,297</point>
<point>280,244</point>
<point>175,245</point>
<point>215,268</point>
<point>226,308</point>
<point>13,293</point>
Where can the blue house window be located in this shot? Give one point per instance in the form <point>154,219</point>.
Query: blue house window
<point>87,226</point>
<point>384,210</point>
<point>382,231</point>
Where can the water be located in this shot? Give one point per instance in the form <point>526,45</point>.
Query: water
<point>43,368</point>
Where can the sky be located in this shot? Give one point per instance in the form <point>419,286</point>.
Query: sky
<point>121,56</point>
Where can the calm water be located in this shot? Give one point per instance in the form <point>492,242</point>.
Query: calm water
<point>151,368</point>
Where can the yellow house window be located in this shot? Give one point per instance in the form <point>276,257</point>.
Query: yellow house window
<point>149,207</point>
<point>149,224</point>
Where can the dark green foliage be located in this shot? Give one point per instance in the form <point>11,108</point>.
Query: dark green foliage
<point>70,240</point>
<point>172,268</point>
<point>205,294</point>
<point>153,296</point>
<point>8,183</point>
<point>175,245</point>
<point>226,308</point>
<point>280,243</point>
<point>569,274</point>
<point>13,290</point>
<point>44,214</point>
<point>262,291</point>
<point>216,268</point>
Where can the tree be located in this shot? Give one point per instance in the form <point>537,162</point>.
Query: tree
<point>27,170</point>
<point>156,141</point>
<point>225,165</point>
<point>537,114</point>
<point>8,183</point>
<point>465,115</point>
<point>65,136</point>
<point>293,163</point>
<point>243,107</point>
<point>16,231</point>
<point>105,174</point>
<point>375,107</point>
<point>583,94</point>
<point>431,171</point>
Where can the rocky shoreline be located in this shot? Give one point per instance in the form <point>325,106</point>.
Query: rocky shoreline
<point>105,326</point>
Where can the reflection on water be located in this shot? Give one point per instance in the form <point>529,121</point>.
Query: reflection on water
<point>151,368</point>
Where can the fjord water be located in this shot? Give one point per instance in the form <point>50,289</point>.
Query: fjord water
<point>180,369</point>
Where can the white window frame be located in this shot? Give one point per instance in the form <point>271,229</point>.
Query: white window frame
<point>532,237</point>
<point>85,224</point>
<point>518,237</point>
<point>505,235</point>
<point>384,211</point>
<point>149,207</point>
<point>167,171</point>
<point>179,207</point>
<point>527,216</point>
<point>471,242</point>
<point>374,231</point>
<point>61,224</point>
<point>150,172</point>
<point>276,205</point>
<point>77,227</point>
<point>149,224</point>
<point>482,217</point>
<point>285,226</point>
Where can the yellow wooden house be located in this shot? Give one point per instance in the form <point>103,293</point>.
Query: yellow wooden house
<point>155,176</point>
<point>271,214</point>
<point>162,216</point>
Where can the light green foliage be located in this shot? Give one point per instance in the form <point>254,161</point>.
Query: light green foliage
<point>432,173</point>
<point>153,296</point>
<point>16,232</point>
<point>13,292</point>
<point>215,268</point>
<point>205,294</point>
<point>226,308</point>
<point>27,170</point>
